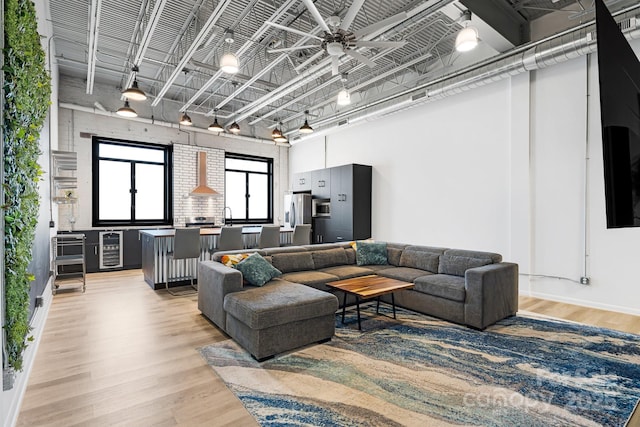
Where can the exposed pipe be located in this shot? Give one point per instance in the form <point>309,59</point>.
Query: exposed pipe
<point>94,30</point>
<point>172,125</point>
<point>552,50</point>
<point>585,276</point>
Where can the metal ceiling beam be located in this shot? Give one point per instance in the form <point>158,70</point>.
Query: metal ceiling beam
<point>94,31</point>
<point>202,34</point>
<point>244,48</point>
<point>500,15</point>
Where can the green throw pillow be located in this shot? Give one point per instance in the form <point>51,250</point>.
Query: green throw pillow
<point>368,253</point>
<point>257,270</point>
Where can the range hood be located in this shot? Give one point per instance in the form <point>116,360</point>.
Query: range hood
<point>202,190</point>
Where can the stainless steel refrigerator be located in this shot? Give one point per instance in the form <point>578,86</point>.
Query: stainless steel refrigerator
<point>297,209</point>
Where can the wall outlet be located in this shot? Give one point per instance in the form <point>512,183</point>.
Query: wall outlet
<point>52,224</point>
<point>584,280</point>
<point>39,301</point>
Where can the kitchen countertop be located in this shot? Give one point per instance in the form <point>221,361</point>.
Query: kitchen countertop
<point>170,232</point>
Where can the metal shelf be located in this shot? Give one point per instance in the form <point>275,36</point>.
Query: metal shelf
<point>68,251</point>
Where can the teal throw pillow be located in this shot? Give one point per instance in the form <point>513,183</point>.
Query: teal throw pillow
<point>257,270</point>
<point>371,253</point>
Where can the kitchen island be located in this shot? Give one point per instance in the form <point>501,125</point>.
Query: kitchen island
<point>157,243</point>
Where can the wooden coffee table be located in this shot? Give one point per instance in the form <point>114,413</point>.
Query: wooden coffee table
<point>367,287</point>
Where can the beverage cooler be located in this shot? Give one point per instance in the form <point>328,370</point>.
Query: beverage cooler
<point>110,249</point>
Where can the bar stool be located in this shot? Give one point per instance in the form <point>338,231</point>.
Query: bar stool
<point>186,245</point>
<point>230,239</point>
<point>269,236</point>
<point>301,235</point>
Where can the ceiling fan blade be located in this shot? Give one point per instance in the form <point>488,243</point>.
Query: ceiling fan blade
<point>289,49</point>
<point>335,66</point>
<point>293,30</point>
<point>351,14</point>
<point>313,10</point>
<point>382,45</point>
<point>392,20</point>
<point>360,57</point>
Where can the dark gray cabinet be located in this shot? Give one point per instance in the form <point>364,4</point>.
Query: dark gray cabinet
<point>301,182</point>
<point>92,251</point>
<point>320,230</point>
<point>132,250</point>
<point>321,184</point>
<point>350,204</point>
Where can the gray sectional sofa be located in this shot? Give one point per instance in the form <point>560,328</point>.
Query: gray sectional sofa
<point>468,287</point>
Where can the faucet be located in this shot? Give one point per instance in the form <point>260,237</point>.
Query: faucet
<point>224,211</point>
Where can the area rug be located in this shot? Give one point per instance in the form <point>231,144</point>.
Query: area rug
<point>421,371</point>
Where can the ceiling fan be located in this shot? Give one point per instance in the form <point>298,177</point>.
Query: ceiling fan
<point>338,39</point>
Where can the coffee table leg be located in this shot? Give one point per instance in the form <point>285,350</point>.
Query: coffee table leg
<point>393,304</point>
<point>344,305</point>
<point>358,310</point>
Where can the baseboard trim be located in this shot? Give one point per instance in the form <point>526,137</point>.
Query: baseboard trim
<point>583,303</point>
<point>12,399</point>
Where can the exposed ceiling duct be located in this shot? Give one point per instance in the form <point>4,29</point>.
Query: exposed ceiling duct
<point>541,54</point>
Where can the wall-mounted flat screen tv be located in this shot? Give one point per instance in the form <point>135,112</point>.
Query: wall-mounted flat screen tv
<point>619,74</point>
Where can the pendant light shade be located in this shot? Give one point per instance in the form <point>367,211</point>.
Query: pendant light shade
<point>229,63</point>
<point>305,128</point>
<point>215,126</point>
<point>126,111</point>
<point>344,98</point>
<point>234,128</point>
<point>134,92</point>
<point>185,120</point>
<point>276,133</point>
<point>280,138</point>
<point>467,39</point>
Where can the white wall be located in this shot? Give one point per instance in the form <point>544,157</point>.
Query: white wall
<point>500,168</point>
<point>73,123</point>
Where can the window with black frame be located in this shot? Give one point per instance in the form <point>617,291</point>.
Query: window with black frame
<point>248,189</point>
<point>132,183</point>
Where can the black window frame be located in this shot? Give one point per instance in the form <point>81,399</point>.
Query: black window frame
<point>269,173</point>
<point>168,182</point>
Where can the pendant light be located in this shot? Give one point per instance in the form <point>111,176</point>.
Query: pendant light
<point>234,128</point>
<point>215,126</point>
<point>344,97</point>
<point>275,133</point>
<point>467,38</point>
<point>280,137</point>
<point>229,62</point>
<point>185,120</point>
<point>134,92</point>
<point>305,128</point>
<point>126,110</point>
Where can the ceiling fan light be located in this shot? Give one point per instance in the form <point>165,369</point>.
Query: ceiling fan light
<point>134,92</point>
<point>185,120</point>
<point>305,128</point>
<point>126,111</point>
<point>234,128</point>
<point>215,126</point>
<point>335,48</point>
<point>467,39</point>
<point>344,98</point>
<point>229,63</point>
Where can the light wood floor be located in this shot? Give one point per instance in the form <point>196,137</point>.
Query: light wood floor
<point>123,354</point>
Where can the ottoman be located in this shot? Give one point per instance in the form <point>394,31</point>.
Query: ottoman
<point>279,316</point>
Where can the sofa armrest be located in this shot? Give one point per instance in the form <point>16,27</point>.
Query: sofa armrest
<point>215,280</point>
<point>491,294</point>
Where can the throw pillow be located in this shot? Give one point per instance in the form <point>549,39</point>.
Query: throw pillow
<point>257,270</point>
<point>368,253</point>
<point>233,259</point>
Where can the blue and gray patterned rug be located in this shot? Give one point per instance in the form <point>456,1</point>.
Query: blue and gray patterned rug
<point>422,371</point>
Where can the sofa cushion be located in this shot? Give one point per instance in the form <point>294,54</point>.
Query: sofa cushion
<point>441,285</point>
<point>294,261</point>
<point>278,303</point>
<point>347,271</point>
<point>494,257</point>
<point>371,253</point>
<point>256,270</point>
<point>310,277</point>
<point>393,256</point>
<point>457,265</point>
<point>376,268</point>
<point>351,255</point>
<point>406,274</point>
<point>329,258</point>
<point>422,260</point>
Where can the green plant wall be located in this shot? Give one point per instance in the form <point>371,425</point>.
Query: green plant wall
<point>27,90</point>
